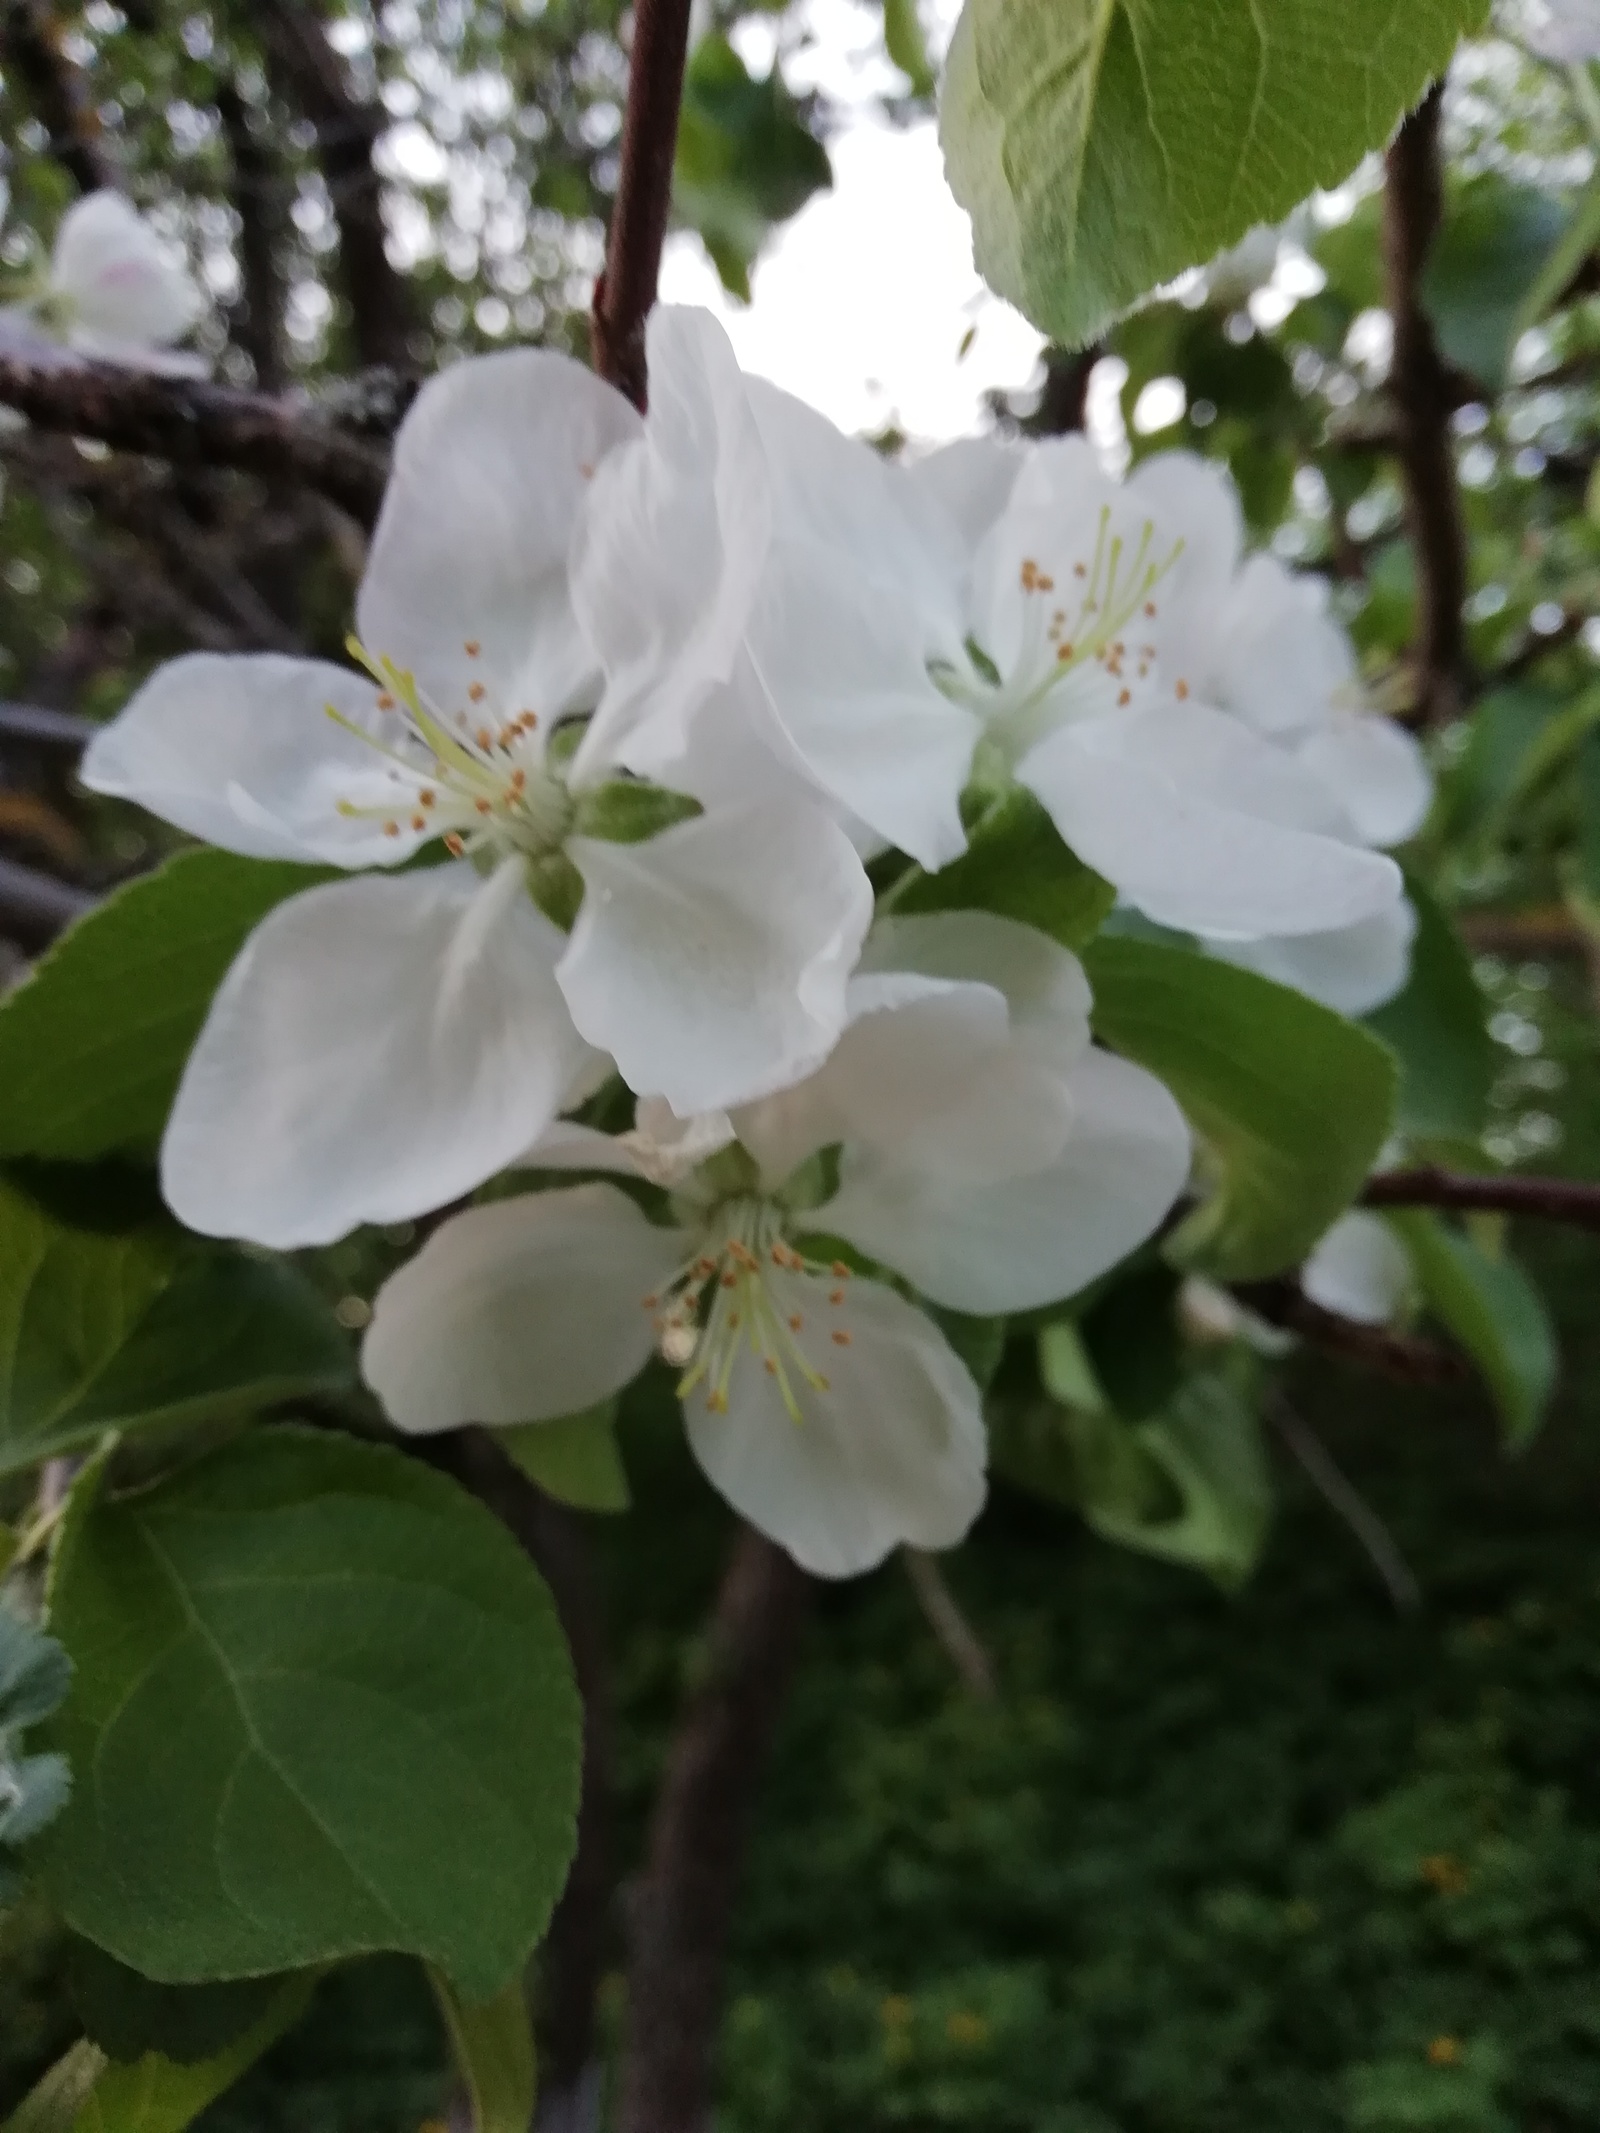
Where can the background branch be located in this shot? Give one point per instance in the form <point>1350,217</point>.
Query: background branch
<point>260,198</point>
<point>1545,1199</point>
<point>35,907</point>
<point>192,422</point>
<point>683,1907</point>
<point>627,288</point>
<point>1400,1356</point>
<point>1423,395</point>
<point>306,69</point>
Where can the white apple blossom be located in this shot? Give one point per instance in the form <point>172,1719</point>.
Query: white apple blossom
<point>984,616</point>
<point>964,1135</point>
<point>112,290</point>
<point>1264,647</point>
<point>1566,32</point>
<point>382,1045</point>
<point>1359,1269</point>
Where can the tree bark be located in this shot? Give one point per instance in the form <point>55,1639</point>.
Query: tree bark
<point>683,1907</point>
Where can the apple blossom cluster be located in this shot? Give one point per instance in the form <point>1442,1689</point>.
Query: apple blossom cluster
<point>633,705</point>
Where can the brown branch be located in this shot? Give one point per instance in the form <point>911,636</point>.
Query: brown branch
<point>683,1907</point>
<point>34,907</point>
<point>627,288</point>
<point>1565,1200</point>
<point>1064,400</point>
<point>305,68</point>
<point>572,1960</point>
<point>192,422</point>
<point>1421,390</point>
<point>1400,1356</point>
<point>259,193</point>
<point>31,50</point>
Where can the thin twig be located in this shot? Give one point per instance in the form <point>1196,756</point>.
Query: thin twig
<point>1544,1199</point>
<point>1421,391</point>
<point>1344,1498</point>
<point>193,422</point>
<point>684,1904</point>
<point>942,1613</point>
<point>32,50</point>
<point>1400,1356</point>
<point>626,289</point>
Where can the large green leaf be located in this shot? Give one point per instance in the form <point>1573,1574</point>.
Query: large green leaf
<point>125,1329</point>
<point>1438,1030</point>
<point>1101,146</point>
<point>322,1707</point>
<point>1291,1101</point>
<point>1493,1310</point>
<point>1016,865</point>
<point>92,1045</point>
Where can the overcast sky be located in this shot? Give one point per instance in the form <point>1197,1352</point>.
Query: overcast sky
<point>860,305</point>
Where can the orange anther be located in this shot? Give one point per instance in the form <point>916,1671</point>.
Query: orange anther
<point>1182,691</point>
<point>385,701</point>
<point>419,822</point>
<point>796,1323</point>
<point>472,647</point>
<point>483,807</point>
<point>391,829</point>
<point>427,796</point>
<point>839,1337</point>
<point>840,1271</point>
<point>477,692</point>
<point>1125,698</point>
<point>454,846</point>
<point>836,1296</point>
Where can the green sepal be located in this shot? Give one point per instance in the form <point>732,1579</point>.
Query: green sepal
<point>574,1459</point>
<point>631,810</point>
<point>494,2052</point>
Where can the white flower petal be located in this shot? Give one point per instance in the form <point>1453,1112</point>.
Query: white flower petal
<point>115,278</point>
<point>969,482</point>
<point>1044,985</point>
<point>711,961</point>
<point>1359,1269</point>
<point>1279,660</point>
<point>670,543</point>
<point>1194,502</point>
<point>1029,1240</point>
<point>491,466</point>
<point>1378,772</point>
<point>380,1047</point>
<point>239,749</point>
<point>522,1311</point>
<point>892,1454</point>
<point>1204,826</point>
<point>1352,970</point>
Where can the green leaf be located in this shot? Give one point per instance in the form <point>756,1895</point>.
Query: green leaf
<point>1292,1102</point>
<point>53,2106</point>
<point>93,1043</point>
<point>323,1707</point>
<point>1190,1485</point>
<point>1485,265</point>
<point>575,1459</point>
<point>493,2047</point>
<point>745,159</point>
<point>1130,1334</point>
<point>1493,1310</point>
<point>130,2016</point>
<point>628,810</point>
<point>1438,1030</point>
<point>157,2095</point>
<point>1016,865</point>
<point>1102,146</point>
<point>86,2093</point>
<point>907,46</point>
<point>124,1330</point>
